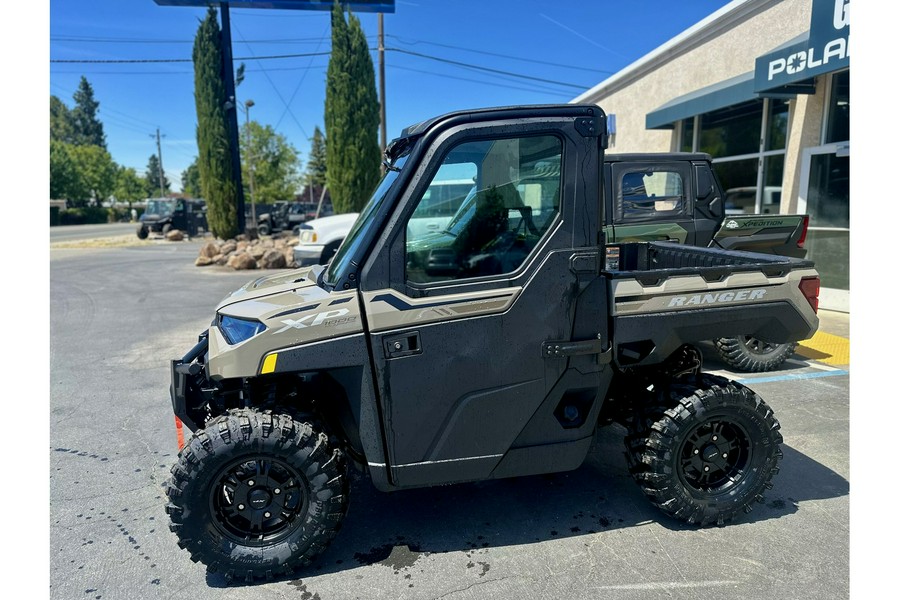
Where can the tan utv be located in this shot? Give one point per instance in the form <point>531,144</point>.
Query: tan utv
<point>498,352</point>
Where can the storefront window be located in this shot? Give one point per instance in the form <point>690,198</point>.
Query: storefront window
<point>733,130</point>
<point>739,145</point>
<point>838,128</point>
<point>828,204</point>
<point>776,138</point>
<point>738,178</point>
<point>687,135</point>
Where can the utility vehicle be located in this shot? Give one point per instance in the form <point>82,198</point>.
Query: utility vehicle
<point>495,354</point>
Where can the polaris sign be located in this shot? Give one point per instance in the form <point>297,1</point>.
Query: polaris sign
<point>826,50</point>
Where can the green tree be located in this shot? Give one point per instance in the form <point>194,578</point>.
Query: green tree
<point>151,178</point>
<point>62,170</point>
<point>190,181</point>
<point>130,187</point>
<point>96,175</point>
<point>353,155</point>
<point>88,130</point>
<point>317,165</point>
<point>274,161</point>
<point>217,180</point>
<point>62,128</point>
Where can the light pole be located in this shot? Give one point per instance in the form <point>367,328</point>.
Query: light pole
<point>247,106</point>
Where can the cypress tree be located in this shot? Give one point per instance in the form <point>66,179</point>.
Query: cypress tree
<point>88,130</point>
<point>214,160</point>
<point>316,166</point>
<point>352,154</point>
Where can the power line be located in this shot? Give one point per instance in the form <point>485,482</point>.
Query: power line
<point>277,92</point>
<point>307,54</point>
<point>115,61</point>
<point>491,83</point>
<point>413,42</point>
<point>486,69</point>
<point>303,78</point>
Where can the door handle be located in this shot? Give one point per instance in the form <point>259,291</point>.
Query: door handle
<point>407,344</point>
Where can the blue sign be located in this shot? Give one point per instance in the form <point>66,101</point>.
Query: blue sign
<point>826,50</point>
<point>378,6</point>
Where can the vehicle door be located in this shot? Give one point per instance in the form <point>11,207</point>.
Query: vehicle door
<point>652,202</point>
<point>709,204</point>
<point>460,333</point>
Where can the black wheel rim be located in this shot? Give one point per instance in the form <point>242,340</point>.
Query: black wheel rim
<point>757,346</point>
<point>258,501</point>
<point>715,457</point>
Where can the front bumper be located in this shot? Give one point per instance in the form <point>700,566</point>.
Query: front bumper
<point>184,390</point>
<point>308,254</point>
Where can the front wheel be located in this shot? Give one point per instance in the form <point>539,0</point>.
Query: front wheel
<point>710,456</point>
<point>750,354</point>
<point>143,232</point>
<point>257,495</point>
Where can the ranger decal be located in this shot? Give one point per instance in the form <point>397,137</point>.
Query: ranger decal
<point>717,298</point>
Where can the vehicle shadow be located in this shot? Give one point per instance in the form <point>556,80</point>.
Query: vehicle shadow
<point>396,529</point>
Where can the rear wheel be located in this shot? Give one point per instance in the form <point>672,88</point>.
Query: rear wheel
<point>257,495</point>
<point>710,456</point>
<point>750,354</point>
<point>264,229</point>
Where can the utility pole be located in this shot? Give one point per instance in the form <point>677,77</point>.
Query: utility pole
<point>250,165</point>
<point>162,174</point>
<point>381,79</point>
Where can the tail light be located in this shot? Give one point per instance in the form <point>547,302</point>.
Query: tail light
<point>809,286</point>
<point>802,239</point>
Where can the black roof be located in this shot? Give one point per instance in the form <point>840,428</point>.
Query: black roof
<point>655,156</point>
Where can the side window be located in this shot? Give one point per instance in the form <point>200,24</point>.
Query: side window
<point>646,194</point>
<point>504,195</point>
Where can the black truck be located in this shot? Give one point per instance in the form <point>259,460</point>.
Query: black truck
<point>162,215</point>
<point>498,354</point>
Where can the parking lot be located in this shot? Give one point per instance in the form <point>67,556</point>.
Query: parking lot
<point>117,315</point>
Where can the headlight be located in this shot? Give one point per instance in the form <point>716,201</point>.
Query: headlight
<point>239,330</point>
<point>308,236</point>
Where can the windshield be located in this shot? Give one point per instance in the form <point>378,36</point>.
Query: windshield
<point>342,260</point>
<point>162,208</point>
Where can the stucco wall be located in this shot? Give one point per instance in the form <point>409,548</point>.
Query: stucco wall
<point>722,50</point>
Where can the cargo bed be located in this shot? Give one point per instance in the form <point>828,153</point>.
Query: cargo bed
<point>657,289</point>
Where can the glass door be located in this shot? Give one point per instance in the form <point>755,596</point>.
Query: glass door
<point>825,196</point>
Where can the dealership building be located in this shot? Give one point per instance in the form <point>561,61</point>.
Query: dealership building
<point>763,86</point>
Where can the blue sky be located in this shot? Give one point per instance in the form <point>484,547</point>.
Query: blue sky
<point>570,45</point>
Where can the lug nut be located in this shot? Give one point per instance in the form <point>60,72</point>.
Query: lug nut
<point>251,483</point>
<point>277,491</point>
<point>240,507</point>
<point>715,438</point>
<point>696,451</point>
<point>706,468</point>
<point>267,515</point>
<point>724,456</point>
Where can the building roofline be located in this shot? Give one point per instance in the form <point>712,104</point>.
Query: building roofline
<point>732,13</point>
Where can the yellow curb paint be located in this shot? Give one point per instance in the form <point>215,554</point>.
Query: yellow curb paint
<point>826,348</point>
<point>269,364</point>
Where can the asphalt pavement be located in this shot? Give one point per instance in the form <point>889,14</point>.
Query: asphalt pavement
<point>117,315</point>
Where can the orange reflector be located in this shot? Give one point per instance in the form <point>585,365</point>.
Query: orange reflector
<point>179,433</point>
